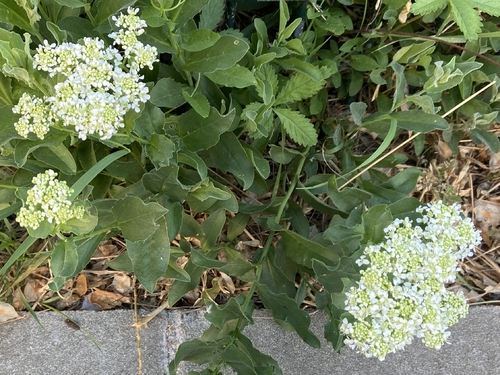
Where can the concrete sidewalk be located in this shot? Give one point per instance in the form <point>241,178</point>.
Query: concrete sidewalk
<point>57,349</point>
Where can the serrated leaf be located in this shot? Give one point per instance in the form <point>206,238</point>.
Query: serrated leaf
<point>150,257</point>
<point>212,14</point>
<point>225,53</point>
<point>299,87</point>
<point>236,76</point>
<point>136,219</point>
<point>298,127</point>
<point>427,6</point>
<point>466,17</point>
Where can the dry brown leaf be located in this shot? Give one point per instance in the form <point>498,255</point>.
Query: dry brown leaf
<point>106,250</point>
<point>34,289</point>
<point>122,283</point>
<point>17,302</point>
<point>7,312</point>
<point>487,214</point>
<point>107,300</point>
<point>492,289</point>
<point>403,15</point>
<point>80,285</point>
<point>226,284</point>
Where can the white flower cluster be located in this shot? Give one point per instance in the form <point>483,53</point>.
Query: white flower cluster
<point>402,294</point>
<point>48,201</point>
<point>99,87</point>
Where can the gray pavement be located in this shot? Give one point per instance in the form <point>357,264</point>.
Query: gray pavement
<point>57,349</point>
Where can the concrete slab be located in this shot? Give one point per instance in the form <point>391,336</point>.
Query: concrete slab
<point>55,349</point>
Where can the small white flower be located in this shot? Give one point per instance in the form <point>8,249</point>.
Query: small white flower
<point>402,294</point>
<point>48,201</point>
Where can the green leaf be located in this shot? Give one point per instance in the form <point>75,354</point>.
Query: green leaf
<point>7,130</point>
<point>211,229</point>
<point>168,93</point>
<point>207,191</point>
<point>199,102</point>
<point>225,53</point>
<point>301,66</point>
<point>284,309</point>
<point>197,40</point>
<point>200,133</point>
<point>363,63</point>
<point>238,360</point>
<point>419,121</point>
<point>427,6</point>
<point>219,316</point>
<point>303,251</point>
<point>212,14</point>
<point>24,148</point>
<point>151,256</point>
<point>299,87</point>
<point>198,351</point>
<point>76,27</point>
<point>165,181</point>
<point>228,155</point>
<point>374,221</point>
<point>181,287</point>
<point>63,263</point>
<point>467,18</point>
<point>236,76</point>
<point>136,219</point>
<point>187,11</point>
<point>298,127</point>
<point>71,3</point>
<point>489,139</point>
<point>358,110</point>
<point>331,276</point>
<point>282,155</point>
<point>104,9</point>
<point>58,157</point>
<point>13,13</point>
<point>160,150</point>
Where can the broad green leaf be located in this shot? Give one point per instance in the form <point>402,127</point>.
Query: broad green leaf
<point>263,364</point>
<point>238,360</point>
<point>160,150</point>
<point>7,130</point>
<point>225,53</point>
<point>13,13</point>
<point>219,316</point>
<point>212,14</point>
<point>150,121</point>
<point>427,6</point>
<point>199,102</point>
<point>197,40</point>
<point>363,63</point>
<point>303,251</point>
<point>58,157</point>
<point>284,309</point>
<point>236,225</point>
<point>187,11</point>
<point>358,110</point>
<point>59,35</point>
<point>200,133</point>
<point>304,67</point>
<point>299,87</point>
<point>228,155</point>
<point>347,198</point>
<point>375,220</point>
<point>151,256</point>
<point>136,219</point>
<point>76,27</point>
<point>5,91</point>
<point>298,127</point>
<point>282,155</point>
<point>175,272</point>
<point>331,276</point>
<point>181,287</point>
<point>165,181</point>
<point>71,3</point>
<point>204,192</point>
<point>193,160</point>
<point>168,93</point>
<point>159,38</point>
<point>236,76</point>
<point>489,139</point>
<point>419,121</point>
<point>24,148</point>
<point>198,351</point>
<point>103,9</point>
<point>468,18</point>
<point>211,229</point>
<point>63,263</point>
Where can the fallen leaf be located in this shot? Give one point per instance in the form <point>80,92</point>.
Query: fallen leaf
<point>7,312</point>
<point>80,285</point>
<point>487,214</point>
<point>122,283</point>
<point>34,289</point>
<point>403,15</point>
<point>107,300</point>
<point>495,162</point>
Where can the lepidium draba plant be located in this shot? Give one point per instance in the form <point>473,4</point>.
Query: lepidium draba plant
<point>402,291</point>
<point>96,86</point>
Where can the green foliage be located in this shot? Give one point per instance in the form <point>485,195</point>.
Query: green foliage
<point>259,129</point>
